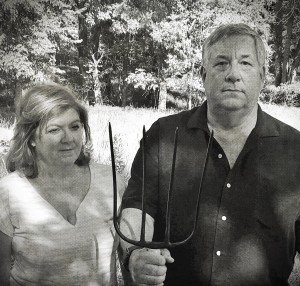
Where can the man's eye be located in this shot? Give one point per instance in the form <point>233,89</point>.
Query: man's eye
<point>221,64</point>
<point>245,63</point>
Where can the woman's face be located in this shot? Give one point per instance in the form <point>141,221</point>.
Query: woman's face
<point>59,141</point>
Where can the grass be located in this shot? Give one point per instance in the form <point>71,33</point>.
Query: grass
<point>289,115</point>
<point>127,125</point>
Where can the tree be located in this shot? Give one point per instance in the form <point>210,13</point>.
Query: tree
<point>30,32</point>
<point>285,30</point>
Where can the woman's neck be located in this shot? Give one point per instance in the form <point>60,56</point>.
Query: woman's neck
<point>57,172</point>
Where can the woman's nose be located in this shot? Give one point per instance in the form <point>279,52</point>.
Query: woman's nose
<point>67,136</point>
<point>233,74</point>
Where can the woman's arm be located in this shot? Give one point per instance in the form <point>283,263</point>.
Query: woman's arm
<point>5,258</point>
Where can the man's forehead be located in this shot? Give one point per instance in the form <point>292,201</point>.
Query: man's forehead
<point>244,46</point>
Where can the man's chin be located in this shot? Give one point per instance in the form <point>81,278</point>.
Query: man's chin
<point>232,105</point>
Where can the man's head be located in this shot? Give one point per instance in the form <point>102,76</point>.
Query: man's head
<point>233,68</point>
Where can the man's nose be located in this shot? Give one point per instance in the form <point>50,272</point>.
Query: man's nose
<point>233,74</point>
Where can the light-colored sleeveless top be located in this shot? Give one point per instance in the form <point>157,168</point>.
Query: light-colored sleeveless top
<point>47,249</point>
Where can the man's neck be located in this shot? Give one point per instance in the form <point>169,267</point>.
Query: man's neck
<point>232,121</point>
<point>231,132</point>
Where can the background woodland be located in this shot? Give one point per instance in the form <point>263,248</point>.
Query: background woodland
<point>138,52</point>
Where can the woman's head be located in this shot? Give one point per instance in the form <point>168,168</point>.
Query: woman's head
<point>33,110</point>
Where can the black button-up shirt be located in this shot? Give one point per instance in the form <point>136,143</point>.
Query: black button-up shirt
<point>248,225</point>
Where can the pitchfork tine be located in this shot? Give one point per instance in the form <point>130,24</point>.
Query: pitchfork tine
<point>113,174</point>
<point>170,192</point>
<point>143,187</point>
<point>166,243</point>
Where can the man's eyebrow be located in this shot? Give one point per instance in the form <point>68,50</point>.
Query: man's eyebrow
<point>246,56</point>
<point>222,57</point>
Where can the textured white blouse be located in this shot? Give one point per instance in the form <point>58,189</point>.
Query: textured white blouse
<point>47,249</point>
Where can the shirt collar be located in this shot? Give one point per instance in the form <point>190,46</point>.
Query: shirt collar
<point>199,118</point>
<point>265,126</point>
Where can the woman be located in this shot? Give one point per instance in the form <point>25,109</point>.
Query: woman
<point>56,206</point>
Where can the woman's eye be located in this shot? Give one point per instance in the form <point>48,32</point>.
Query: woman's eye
<point>76,127</point>
<point>53,130</point>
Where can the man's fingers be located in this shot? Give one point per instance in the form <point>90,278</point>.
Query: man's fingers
<point>148,266</point>
<point>154,270</point>
<point>167,255</point>
<point>151,256</point>
<point>153,280</point>
<point>162,284</point>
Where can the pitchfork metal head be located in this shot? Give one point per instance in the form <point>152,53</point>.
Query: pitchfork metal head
<point>166,243</point>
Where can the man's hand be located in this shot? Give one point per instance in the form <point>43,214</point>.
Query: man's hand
<point>148,266</point>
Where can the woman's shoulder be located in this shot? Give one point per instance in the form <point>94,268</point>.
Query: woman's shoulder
<point>10,183</point>
<point>12,178</point>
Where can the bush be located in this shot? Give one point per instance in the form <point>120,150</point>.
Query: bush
<point>7,117</point>
<point>285,94</point>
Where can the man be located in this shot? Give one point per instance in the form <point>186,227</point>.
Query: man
<point>248,228</point>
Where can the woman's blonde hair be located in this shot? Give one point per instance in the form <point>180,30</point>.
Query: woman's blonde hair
<point>33,110</point>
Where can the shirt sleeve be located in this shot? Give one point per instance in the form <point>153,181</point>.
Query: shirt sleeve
<point>132,197</point>
<point>6,225</point>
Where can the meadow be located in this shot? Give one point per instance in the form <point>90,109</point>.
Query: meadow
<point>127,125</point>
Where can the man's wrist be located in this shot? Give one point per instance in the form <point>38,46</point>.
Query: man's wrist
<point>126,256</point>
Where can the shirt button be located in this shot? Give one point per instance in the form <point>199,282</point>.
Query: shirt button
<point>220,156</point>
<point>218,253</point>
<point>224,217</point>
<point>228,185</point>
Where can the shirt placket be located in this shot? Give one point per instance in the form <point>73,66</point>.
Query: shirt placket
<point>221,249</point>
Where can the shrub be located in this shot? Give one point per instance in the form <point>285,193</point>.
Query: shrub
<point>285,94</point>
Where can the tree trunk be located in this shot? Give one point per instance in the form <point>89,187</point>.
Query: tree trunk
<point>97,87</point>
<point>277,28</point>
<point>162,103</point>
<point>287,47</point>
<point>18,93</point>
<point>124,95</point>
<point>296,61</point>
<point>96,81</point>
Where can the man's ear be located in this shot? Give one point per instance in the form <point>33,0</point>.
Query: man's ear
<point>263,75</point>
<point>203,73</point>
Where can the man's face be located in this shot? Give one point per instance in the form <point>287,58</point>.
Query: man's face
<point>232,75</point>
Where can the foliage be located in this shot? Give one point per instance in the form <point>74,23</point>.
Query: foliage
<point>288,94</point>
<point>143,80</point>
<point>31,34</point>
<point>104,48</point>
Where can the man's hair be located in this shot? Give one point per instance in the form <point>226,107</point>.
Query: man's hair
<point>33,110</point>
<point>225,31</point>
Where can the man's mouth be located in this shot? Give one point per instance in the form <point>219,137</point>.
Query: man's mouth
<point>232,90</point>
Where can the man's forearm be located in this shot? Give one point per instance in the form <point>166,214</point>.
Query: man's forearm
<point>130,225</point>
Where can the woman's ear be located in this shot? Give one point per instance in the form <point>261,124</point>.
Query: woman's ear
<point>203,73</point>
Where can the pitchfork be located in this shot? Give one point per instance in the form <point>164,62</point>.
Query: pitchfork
<point>166,243</point>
